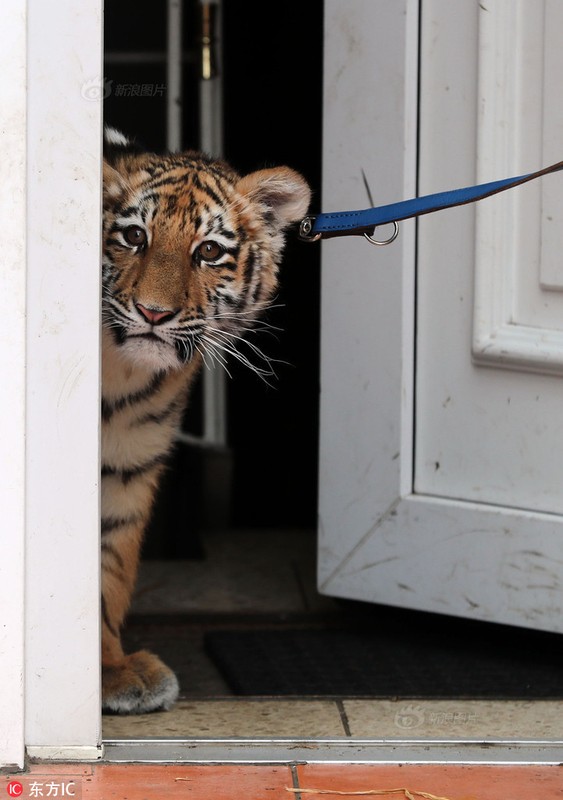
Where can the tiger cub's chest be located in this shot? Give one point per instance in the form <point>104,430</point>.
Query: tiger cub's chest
<point>141,412</point>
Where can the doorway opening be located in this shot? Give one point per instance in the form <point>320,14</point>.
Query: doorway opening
<point>234,527</point>
<point>271,78</point>
<point>231,550</point>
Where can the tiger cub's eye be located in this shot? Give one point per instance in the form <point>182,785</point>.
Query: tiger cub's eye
<point>210,250</point>
<point>135,235</point>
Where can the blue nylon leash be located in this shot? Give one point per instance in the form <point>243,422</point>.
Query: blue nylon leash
<point>363,223</point>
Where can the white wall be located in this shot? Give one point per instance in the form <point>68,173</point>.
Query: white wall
<point>12,359</point>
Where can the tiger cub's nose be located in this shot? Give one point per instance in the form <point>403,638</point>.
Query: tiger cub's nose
<point>156,316</point>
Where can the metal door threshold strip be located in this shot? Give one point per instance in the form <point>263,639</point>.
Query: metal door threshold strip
<point>326,751</point>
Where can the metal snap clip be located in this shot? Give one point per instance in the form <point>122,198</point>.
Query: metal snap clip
<point>306,230</point>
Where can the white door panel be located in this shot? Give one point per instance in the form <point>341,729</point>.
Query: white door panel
<point>551,276</point>
<point>519,234</point>
<point>370,124</point>
<point>460,558</point>
<point>475,530</point>
<point>488,435</point>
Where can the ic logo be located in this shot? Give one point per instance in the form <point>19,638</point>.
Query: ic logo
<point>14,789</point>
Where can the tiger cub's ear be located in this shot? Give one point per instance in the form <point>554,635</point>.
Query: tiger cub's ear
<point>115,185</point>
<point>281,194</point>
<point>116,145</point>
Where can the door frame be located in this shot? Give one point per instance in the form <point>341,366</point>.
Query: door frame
<point>62,678</point>
<point>51,452</point>
<point>12,352</point>
<point>52,89</point>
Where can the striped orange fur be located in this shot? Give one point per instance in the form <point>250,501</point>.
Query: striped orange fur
<point>190,259</point>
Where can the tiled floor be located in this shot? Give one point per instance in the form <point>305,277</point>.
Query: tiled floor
<point>471,720</point>
<point>241,577</point>
<point>273,573</point>
<point>252,782</point>
<point>267,573</point>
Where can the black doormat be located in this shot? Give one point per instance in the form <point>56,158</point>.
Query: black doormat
<point>353,663</point>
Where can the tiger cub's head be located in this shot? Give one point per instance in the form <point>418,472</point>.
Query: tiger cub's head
<point>190,250</point>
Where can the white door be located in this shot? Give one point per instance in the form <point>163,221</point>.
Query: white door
<point>441,483</point>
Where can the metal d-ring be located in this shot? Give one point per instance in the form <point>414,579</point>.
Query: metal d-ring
<point>387,241</point>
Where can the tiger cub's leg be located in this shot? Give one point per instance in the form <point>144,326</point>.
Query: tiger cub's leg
<point>139,682</point>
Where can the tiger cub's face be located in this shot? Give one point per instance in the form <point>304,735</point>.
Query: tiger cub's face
<point>190,250</point>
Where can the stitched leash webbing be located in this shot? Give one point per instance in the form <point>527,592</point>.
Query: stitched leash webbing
<point>345,223</point>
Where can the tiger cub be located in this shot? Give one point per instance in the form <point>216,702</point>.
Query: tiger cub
<point>190,255</point>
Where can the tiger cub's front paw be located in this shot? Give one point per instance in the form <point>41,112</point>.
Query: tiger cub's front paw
<point>138,684</point>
